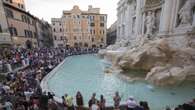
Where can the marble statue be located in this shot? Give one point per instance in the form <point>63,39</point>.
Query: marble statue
<point>185,13</point>
<point>150,21</point>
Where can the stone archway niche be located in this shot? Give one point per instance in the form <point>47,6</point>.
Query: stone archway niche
<point>152,14</point>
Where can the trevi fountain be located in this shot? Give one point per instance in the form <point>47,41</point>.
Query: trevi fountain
<point>157,36</point>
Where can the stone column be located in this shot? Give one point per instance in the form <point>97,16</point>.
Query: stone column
<point>166,17</point>
<point>138,24</point>
<point>143,22</point>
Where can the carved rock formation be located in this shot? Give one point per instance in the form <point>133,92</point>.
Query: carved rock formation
<point>169,60</point>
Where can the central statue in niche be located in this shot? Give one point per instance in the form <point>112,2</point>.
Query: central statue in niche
<point>150,23</point>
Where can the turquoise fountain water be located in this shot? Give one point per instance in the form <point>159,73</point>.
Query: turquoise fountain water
<point>85,73</point>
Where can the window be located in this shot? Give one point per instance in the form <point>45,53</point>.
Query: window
<point>92,18</point>
<point>33,22</point>
<point>13,31</point>
<point>22,6</point>
<point>23,18</point>
<point>1,29</point>
<point>101,24</point>
<point>101,18</point>
<point>9,13</point>
<point>60,30</point>
<point>102,39</point>
<point>92,39</point>
<point>26,33</point>
<point>54,30</point>
<point>61,38</point>
<point>92,24</point>
<point>53,23</point>
<point>28,20</point>
<point>78,16</point>
<point>29,33</point>
<point>75,38</point>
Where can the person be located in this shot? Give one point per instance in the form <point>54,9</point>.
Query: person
<point>44,101</point>
<point>102,103</point>
<point>52,105</point>
<point>145,106</point>
<point>79,100</point>
<point>117,100</point>
<point>50,95</point>
<point>64,102</point>
<point>168,108</point>
<point>69,102</point>
<point>95,106</point>
<point>92,100</point>
<point>131,103</point>
<point>8,105</point>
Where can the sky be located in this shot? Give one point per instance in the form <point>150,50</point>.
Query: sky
<point>48,9</point>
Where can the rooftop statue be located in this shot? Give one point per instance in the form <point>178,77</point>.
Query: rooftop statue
<point>185,13</point>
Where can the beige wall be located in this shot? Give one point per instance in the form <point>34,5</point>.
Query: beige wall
<point>77,29</point>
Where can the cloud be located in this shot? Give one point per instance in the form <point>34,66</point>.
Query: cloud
<point>48,9</point>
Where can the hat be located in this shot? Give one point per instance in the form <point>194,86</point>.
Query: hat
<point>131,97</point>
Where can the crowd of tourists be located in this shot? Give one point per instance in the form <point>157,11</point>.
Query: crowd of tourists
<point>21,89</point>
<point>95,104</point>
<point>11,58</point>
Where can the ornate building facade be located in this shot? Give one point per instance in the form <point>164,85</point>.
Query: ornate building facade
<point>21,24</point>
<point>160,41</point>
<point>139,18</point>
<point>19,28</point>
<point>77,28</point>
